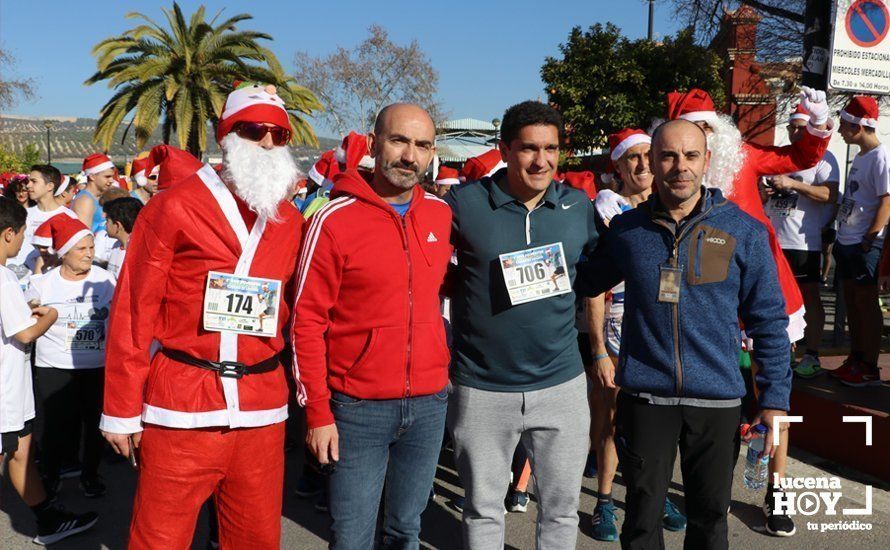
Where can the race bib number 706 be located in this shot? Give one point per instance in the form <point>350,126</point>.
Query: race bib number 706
<point>535,273</point>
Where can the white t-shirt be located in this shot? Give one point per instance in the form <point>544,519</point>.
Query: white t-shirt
<point>77,339</point>
<point>116,259</point>
<point>103,245</point>
<point>798,219</point>
<point>868,181</point>
<point>609,204</point>
<point>16,388</point>
<point>28,254</point>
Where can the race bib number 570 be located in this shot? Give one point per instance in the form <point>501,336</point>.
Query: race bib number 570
<point>246,305</point>
<point>535,273</point>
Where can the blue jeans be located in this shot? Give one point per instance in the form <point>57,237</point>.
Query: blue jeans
<point>393,441</point>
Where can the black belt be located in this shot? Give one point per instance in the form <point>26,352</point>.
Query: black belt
<point>226,369</point>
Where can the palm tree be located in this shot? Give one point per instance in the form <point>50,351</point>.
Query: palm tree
<point>179,77</point>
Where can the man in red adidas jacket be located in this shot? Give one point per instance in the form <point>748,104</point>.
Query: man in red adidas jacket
<point>370,353</point>
<point>205,272</point>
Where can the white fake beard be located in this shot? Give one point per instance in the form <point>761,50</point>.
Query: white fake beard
<point>727,154</point>
<point>262,178</point>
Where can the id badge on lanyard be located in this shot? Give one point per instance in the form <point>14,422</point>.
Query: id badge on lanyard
<point>244,305</point>
<point>669,284</point>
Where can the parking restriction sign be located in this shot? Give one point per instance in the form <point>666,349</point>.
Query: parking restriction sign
<point>860,47</point>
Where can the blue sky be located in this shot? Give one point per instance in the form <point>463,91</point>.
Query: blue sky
<point>488,53</point>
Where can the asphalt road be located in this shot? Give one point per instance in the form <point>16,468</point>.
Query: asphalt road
<point>304,528</point>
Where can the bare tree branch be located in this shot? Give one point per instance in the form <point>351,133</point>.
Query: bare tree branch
<point>354,84</point>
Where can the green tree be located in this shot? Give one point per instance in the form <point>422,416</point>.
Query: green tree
<point>604,82</point>
<point>19,162</point>
<point>179,77</point>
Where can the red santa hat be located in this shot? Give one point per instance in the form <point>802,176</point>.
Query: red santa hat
<point>43,235</point>
<point>66,181</point>
<point>251,102</point>
<point>64,231</point>
<point>324,169</point>
<point>141,169</point>
<point>447,176</point>
<point>353,152</point>
<point>861,110</point>
<point>621,141</point>
<point>585,181</point>
<point>482,166</point>
<point>695,106</point>
<point>800,113</point>
<point>173,165</point>
<point>95,163</point>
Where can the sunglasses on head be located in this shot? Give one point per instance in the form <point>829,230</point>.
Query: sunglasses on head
<point>256,131</point>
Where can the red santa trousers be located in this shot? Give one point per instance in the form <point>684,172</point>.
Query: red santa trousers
<point>181,469</point>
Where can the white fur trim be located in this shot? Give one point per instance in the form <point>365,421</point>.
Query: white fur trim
<point>498,166</point>
<point>829,128</point>
<point>140,178</point>
<point>66,181</point>
<point>796,324</point>
<point>98,168</point>
<point>340,154</point>
<point>627,143</point>
<point>448,181</point>
<point>870,122</point>
<point>69,244</point>
<point>367,162</point>
<point>315,175</point>
<point>205,419</point>
<point>228,341</point>
<point>799,116</point>
<point>250,96</point>
<point>123,426</point>
<point>42,241</point>
<point>699,116</point>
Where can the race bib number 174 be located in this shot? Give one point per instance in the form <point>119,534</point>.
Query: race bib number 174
<point>246,305</point>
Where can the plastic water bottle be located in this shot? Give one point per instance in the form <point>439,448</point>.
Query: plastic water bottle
<point>757,463</point>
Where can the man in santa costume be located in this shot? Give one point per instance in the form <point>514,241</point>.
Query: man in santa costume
<point>737,166</point>
<point>206,412</point>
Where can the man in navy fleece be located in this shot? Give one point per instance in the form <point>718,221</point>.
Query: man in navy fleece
<point>693,265</point>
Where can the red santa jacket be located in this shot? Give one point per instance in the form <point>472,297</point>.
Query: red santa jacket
<point>195,227</point>
<point>367,321</point>
<point>766,161</point>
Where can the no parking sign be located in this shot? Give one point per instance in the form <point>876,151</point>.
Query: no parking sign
<point>860,47</point>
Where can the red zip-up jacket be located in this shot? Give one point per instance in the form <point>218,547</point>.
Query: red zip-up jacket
<point>367,321</point>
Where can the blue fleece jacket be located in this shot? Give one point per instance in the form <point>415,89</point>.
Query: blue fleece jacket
<point>691,348</point>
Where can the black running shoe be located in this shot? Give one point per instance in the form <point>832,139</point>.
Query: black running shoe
<point>777,525</point>
<point>60,524</point>
<point>92,487</point>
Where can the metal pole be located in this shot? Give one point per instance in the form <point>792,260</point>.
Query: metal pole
<point>651,18</point>
<point>816,43</point>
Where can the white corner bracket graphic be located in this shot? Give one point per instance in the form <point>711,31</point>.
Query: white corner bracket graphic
<point>777,426</point>
<point>865,420</point>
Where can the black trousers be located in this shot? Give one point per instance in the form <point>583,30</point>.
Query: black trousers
<point>646,438</point>
<point>71,406</point>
